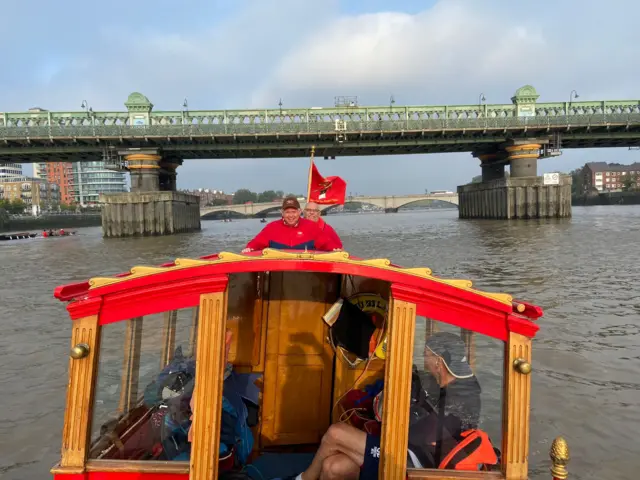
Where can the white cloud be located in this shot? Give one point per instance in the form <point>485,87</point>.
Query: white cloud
<point>440,51</point>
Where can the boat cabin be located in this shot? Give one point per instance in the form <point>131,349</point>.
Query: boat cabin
<point>242,362</point>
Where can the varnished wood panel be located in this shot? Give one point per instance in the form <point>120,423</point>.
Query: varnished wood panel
<point>207,407</point>
<point>297,352</point>
<point>244,318</point>
<point>395,416</point>
<point>298,421</point>
<point>80,393</point>
<point>304,299</point>
<point>131,365</point>
<point>516,406</point>
<point>345,379</point>
<point>168,337</point>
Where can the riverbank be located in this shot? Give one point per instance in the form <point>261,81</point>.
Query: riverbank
<point>12,224</point>
<point>612,198</point>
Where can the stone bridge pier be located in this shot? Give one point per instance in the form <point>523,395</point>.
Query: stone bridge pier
<point>153,207</point>
<point>521,195</point>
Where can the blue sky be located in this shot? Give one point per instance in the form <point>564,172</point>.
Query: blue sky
<point>244,54</point>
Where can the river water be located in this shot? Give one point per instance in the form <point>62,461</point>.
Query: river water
<point>583,271</point>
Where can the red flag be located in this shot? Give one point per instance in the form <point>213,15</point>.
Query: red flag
<point>325,191</point>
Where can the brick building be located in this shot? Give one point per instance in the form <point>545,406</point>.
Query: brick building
<point>208,196</point>
<point>36,193</point>
<point>610,177</point>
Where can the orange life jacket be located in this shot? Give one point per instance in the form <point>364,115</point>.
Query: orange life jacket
<point>473,452</point>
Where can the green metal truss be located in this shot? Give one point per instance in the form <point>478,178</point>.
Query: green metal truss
<point>39,135</point>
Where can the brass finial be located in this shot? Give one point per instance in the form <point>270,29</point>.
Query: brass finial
<point>559,454</point>
<point>522,366</point>
<point>79,351</point>
<point>313,149</point>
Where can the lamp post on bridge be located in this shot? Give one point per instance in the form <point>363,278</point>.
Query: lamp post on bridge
<point>185,110</point>
<point>85,106</point>
<point>572,95</point>
<point>481,100</point>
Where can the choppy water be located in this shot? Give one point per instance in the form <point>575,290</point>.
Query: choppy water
<point>582,271</point>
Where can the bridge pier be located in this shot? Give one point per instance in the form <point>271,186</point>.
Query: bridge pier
<point>153,207</point>
<point>522,195</point>
<point>491,169</point>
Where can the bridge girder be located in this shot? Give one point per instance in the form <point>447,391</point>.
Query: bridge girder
<point>197,142</point>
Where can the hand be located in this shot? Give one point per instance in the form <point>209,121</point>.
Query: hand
<point>338,250</point>
<point>246,250</point>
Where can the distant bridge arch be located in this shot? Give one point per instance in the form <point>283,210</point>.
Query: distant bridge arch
<point>389,203</point>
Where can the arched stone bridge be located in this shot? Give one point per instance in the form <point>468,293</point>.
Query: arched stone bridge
<point>389,203</point>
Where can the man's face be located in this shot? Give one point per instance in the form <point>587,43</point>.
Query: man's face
<point>431,363</point>
<point>291,216</point>
<point>312,212</point>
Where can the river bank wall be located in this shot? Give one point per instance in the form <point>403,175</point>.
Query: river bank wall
<point>613,198</point>
<point>15,224</point>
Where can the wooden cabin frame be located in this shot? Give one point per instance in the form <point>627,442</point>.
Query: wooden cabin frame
<point>203,284</point>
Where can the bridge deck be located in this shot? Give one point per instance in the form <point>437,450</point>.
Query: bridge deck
<point>254,140</point>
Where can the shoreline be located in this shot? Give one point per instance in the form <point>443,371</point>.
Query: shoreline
<point>37,224</point>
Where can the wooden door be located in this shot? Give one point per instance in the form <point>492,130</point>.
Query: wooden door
<point>299,359</point>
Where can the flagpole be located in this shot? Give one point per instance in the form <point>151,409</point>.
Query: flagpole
<point>313,151</point>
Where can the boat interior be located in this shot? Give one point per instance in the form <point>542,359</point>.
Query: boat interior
<point>294,372</point>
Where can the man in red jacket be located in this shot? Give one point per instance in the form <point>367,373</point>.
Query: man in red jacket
<point>292,232</point>
<point>312,212</point>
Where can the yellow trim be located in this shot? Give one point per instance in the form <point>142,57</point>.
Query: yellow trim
<point>142,156</point>
<point>518,148</point>
<point>143,166</point>
<point>271,254</point>
<point>523,155</point>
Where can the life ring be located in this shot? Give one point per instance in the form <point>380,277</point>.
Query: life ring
<point>374,304</point>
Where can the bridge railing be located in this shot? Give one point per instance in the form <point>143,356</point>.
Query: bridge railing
<point>202,129</point>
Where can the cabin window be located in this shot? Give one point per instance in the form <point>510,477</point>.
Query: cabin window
<point>145,379</point>
<point>456,400</point>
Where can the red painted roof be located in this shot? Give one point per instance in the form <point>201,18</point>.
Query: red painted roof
<point>179,284</point>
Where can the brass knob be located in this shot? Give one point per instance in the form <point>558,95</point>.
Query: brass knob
<point>79,351</point>
<point>559,458</point>
<point>522,366</point>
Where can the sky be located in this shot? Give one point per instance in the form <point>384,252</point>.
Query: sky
<point>236,54</point>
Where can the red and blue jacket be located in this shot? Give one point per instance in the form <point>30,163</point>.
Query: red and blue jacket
<point>305,234</point>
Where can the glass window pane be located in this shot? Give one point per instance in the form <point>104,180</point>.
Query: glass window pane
<point>456,399</point>
<point>145,381</point>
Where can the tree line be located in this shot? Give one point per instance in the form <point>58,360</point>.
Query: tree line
<point>13,207</point>
<point>245,195</point>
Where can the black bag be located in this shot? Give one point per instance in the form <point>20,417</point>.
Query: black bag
<point>352,330</point>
